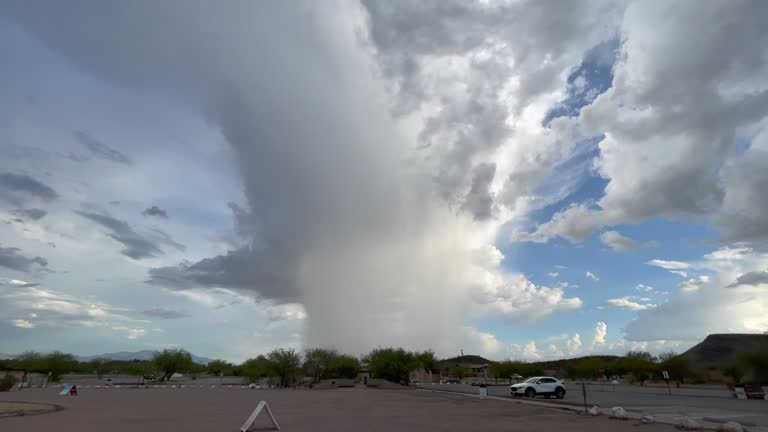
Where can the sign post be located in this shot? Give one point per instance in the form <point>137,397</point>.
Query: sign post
<point>584,395</point>
<point>666,378</point>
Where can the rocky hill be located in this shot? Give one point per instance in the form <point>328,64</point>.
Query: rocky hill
<point>719,350</point>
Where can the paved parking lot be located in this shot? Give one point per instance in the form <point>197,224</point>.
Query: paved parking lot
<point>371,410</point>
<point>692,402</point>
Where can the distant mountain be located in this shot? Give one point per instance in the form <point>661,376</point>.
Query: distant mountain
<point>138,355</point>
<point>7,357</point>
<point>719,350</point>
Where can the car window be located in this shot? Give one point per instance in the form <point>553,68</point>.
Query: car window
<point>547,381</point>
<point>531,380</point>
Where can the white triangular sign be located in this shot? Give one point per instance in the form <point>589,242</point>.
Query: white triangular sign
<point>249,422</point>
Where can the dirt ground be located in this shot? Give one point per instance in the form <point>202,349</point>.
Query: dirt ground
<point>369,410</point>
<point>24,408</point>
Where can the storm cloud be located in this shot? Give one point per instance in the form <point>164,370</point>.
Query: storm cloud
<point>18,188</point>
<point>136,246</point>
<point>10,257</point>
<point>31,214</point>
<point>99,149</point>
<point>755,278</point>
<point>158,312</point>
<point>155,211</point>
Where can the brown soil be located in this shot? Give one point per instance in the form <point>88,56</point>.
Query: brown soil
<point>372,410</point>
<point>10,409</point>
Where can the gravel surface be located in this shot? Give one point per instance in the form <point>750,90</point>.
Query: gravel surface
<point>357,409</point>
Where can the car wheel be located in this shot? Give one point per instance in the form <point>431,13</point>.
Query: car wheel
<point>560,393</point>
<point>530,392</point>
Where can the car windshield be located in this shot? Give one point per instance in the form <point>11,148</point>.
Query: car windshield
<point>531,380</point>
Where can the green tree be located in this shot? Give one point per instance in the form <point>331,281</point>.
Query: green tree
<point>427,360</point>
<point>588,368</point>
<point>285,364</point>
<point>392,364</point>
<point>169,361</point>
<point>735,371</point>
<point>530,370</point>
<point>641,355</point>
<point>679,367</point>
<point>342,366</point>
<point>219,367</point>
<point>639,365</point>
<point>138,368</point>
<point>317,361</point>
<point>458,372</point>
<point>256,368</point>
<point>505,370</point>
<point>56,363</point>
<point>757,362</point>
<point>29,361</point>
<point>99,366</point>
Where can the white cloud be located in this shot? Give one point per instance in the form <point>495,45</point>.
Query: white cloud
<point>669,265</point>
<point>22,323</point>
<point>592,276</point>
<point>529,351</point>
<point>60,306</point>
<point>676,169</point>
<point>679,273</point>
<point>130,333</point>
<point>645,288</point>
<point>516,299</point>
<point>557,347</point>
<point>553,274</point>
<point>693,285</point>
<point>573,345</point>
<point>687,317</point>
<point>618,242</point>
<point>601,331</point>
<point>626,303</point>
<point>288,312</point>
<point>482,343</point>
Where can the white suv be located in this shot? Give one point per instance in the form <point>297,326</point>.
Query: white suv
<point>545,386</point>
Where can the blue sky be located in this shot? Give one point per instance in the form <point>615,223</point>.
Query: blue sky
<point>360,190</point>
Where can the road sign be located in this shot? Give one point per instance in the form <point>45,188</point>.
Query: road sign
<point>666,378</point>
<point>249,422</point>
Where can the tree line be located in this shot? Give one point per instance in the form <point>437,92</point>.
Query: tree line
<point>285,367</point>
<point>641,366</point>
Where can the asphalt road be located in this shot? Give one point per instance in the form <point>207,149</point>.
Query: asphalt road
<point>691,402</point>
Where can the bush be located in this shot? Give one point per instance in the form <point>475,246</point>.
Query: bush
<point>7,382</point>
<point>391,364</point>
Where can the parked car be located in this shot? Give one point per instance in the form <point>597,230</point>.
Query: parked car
<point>539,386</point>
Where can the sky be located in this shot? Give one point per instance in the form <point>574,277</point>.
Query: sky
<point>514,179</point>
